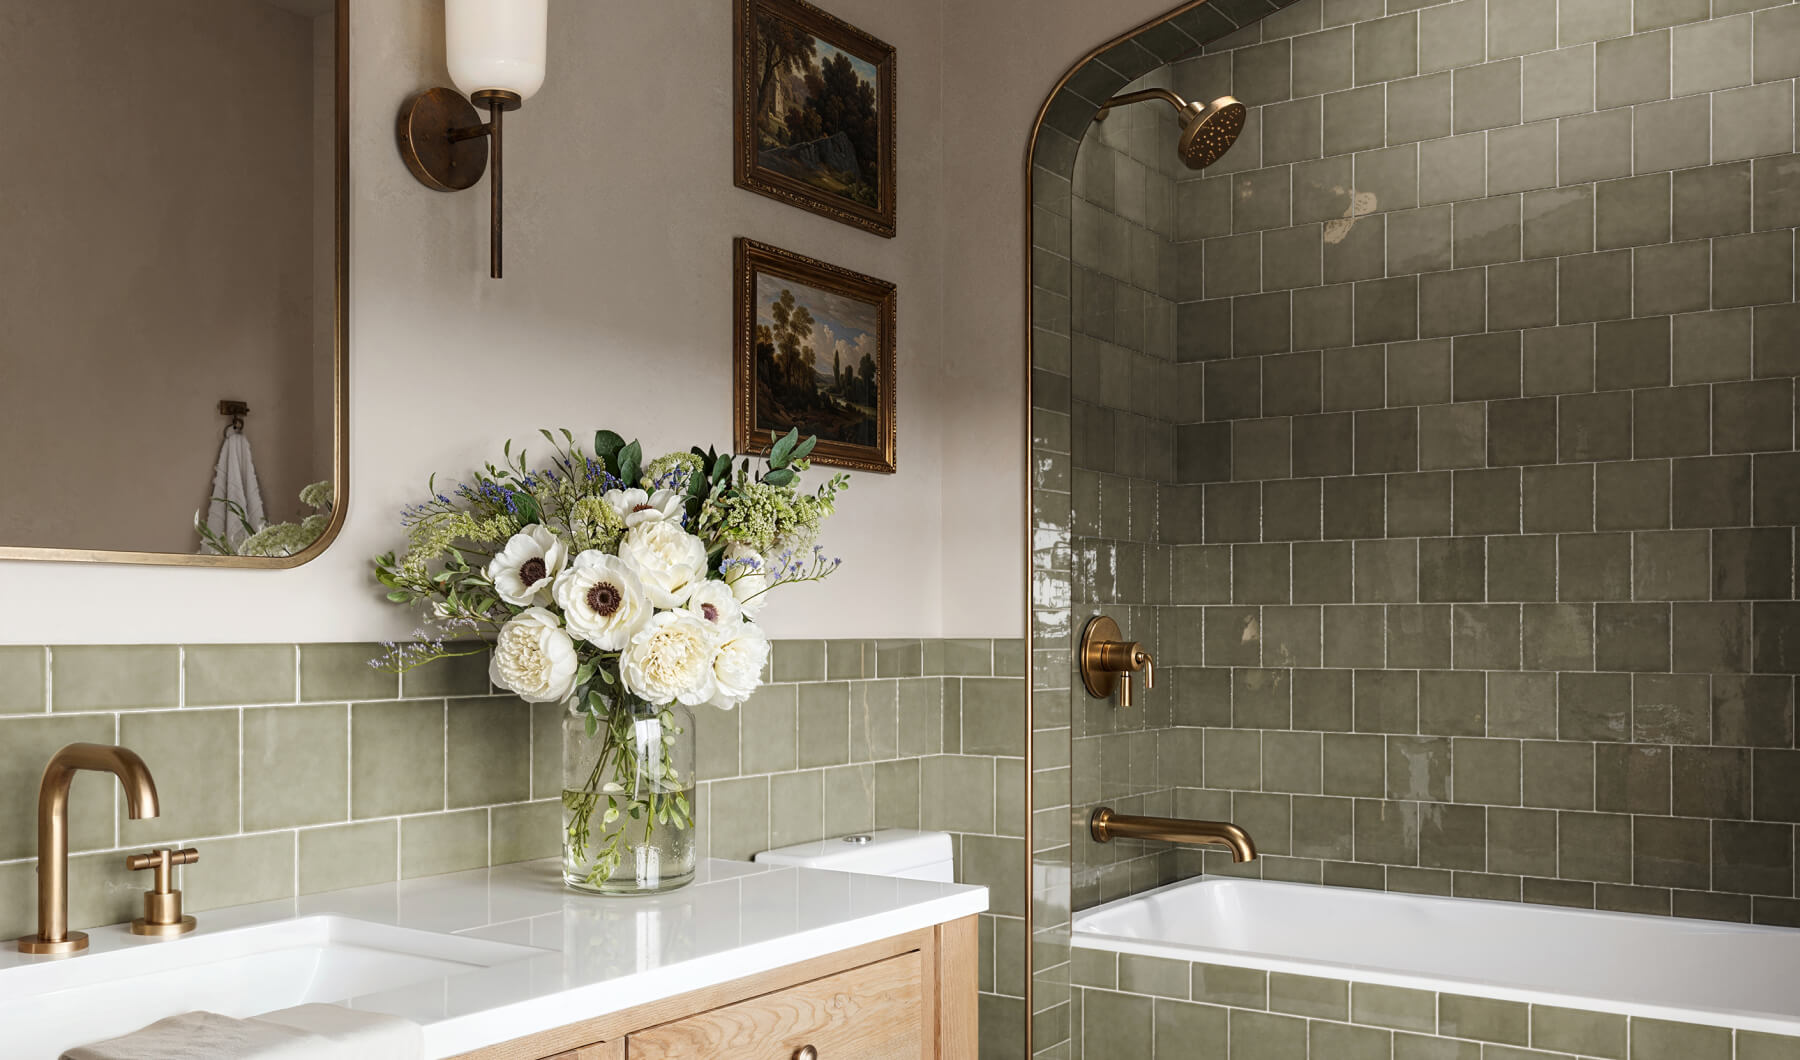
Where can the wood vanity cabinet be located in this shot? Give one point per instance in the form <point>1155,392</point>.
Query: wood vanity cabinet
<point>910,997</point>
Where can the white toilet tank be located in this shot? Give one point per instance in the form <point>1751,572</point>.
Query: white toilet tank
<point>888,852</point>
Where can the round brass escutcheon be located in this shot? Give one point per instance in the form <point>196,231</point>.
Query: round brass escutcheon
<point>75,943</point>
<point>441,163</point>
<point>1099,681</point>
<point>140,926</point>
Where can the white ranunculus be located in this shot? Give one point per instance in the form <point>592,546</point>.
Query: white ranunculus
<point>748,575</point>
<point>671,659</point>
<point>738,667</point>
<point>602,601</point>
<point>713,601</point>
<point>636,507</point>
<point>526,568</point>
<point>534,659</point>
<point>667,559</point>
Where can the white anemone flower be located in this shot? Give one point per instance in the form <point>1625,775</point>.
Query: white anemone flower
<point>713,601</point>
<point>526,568</point>
<point>534,659</point>
<point>748,575</point>
<point>671,659</point>
<point>667,559</point>
<point>738,667</point>
<point>602,601</point>
<point>637,507</point>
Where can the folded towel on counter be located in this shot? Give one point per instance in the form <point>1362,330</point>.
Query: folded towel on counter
<point>307,1032</point>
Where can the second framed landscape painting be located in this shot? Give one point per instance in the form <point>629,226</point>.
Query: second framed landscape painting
<point>815,352</point>
<point>814,112</point>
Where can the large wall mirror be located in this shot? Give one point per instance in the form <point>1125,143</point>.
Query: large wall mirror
<point>172,332</point>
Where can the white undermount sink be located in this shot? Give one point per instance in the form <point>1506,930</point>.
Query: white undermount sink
<point>48,1005</point>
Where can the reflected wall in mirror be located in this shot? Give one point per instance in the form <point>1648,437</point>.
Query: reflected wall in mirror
<point>175,227</point>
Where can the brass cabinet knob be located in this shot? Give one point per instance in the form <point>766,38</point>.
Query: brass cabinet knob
<point>162,903</point>
<point>1106,657</point>
<point>806,1052</point>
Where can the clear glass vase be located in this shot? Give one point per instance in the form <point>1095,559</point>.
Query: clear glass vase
<point>628,799</point>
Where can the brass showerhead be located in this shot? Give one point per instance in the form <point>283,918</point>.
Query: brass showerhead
<point>1207,129</point>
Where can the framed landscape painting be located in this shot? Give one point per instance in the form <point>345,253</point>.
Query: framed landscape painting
<point>814,112</point>
<point>815,352</point>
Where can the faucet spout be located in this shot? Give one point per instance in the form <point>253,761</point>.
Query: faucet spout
<point>1105,826</point>
<point>53,934</point>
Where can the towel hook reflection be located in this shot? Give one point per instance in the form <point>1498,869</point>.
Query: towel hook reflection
<point>237,410</point>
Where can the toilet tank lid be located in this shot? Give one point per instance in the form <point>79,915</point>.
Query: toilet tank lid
<point>888,850</point>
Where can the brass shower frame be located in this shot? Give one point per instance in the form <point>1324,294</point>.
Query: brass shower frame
<point>1037,126</point>
<point>340,369</point>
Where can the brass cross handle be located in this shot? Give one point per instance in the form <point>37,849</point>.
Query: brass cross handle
<point>1106,655</point>
<point>162,903</point>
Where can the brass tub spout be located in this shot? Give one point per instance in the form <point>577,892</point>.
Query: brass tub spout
<point>1105,826</point>
<point>53,934</point>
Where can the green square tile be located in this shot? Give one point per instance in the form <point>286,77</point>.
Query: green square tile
<point>1452,703</point>
<point>348,855</point>
<point>1350,1043</point>
<point>1507,1022</point>
<point>1387,832</point>
<point>1158,976</point>
<point>1227,985</point>
<point>796,807</point>
<point>1594,847</point>
<point>1261,1036</point>
<point>1486,771</point>
<point>22,689</point>
<point>1394,1007</point>
<point>443,842</point>
<point>109,677</point>
<point>342,672</point>
<point>993,716</point>
<point>1521,841</point>
<point>1558,775</point>
<point>296,766</point>
<point>488,745</point>
<point>460,675</point>
<point>1355,764</point>
<point>824,724</point>
<point>525,831</point>
<point>194,756</point>
<point>220,675</point>
<point>1116,1021</point>
<point>798,660</point>
<point>397,757</point>
<point>740,818</point>
<point>239,871</point>
<point>1631,637</point>
<point>769,729</point>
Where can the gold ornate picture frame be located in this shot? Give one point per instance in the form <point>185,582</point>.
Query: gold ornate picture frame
<point>814,104</point>
<point>814,352</point>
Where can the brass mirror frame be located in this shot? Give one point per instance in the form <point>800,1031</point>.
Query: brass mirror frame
<point>340,373</point>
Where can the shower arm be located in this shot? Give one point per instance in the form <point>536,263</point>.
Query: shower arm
<point>1126,98</point>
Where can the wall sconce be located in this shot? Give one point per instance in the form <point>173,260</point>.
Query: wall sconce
<point>495,50</point>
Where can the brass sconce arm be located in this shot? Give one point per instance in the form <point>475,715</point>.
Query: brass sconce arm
<point>1105,826</point>
<point>1106,657</point>
<point>447,147</point>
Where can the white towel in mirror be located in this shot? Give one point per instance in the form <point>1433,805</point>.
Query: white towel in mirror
<point>234,480</point>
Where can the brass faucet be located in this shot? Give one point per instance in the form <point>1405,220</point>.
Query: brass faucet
<point>1105,826</point>
<point>53,934</point>
<point>1106,655</point>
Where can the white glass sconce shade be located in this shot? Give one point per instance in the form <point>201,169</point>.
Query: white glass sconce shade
<point>496,44</point>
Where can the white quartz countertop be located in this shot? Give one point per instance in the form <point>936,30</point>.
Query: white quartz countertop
<point>601,955</point>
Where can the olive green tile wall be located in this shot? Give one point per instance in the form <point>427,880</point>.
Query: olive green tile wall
<point>297,769</point>
<point>1481,530</point>
<point>1151,1007</point>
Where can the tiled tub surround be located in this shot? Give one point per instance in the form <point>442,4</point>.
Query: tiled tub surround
<point>298,769</point>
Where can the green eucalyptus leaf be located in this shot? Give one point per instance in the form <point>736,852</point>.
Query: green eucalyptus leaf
<point>804,449</point>
<point>593,725</point>
<point>528,508</point>
<point>779,477</point>
<point>778,456</point>
<point>631,460</point>
<point>606,449</point>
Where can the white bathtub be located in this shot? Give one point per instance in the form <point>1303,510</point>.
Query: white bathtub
<point>1691,971</point>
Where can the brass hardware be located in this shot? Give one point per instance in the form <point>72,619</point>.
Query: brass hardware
<point>1207,129</point>
<point>1105,826</point>
<point>53,934</point>
<point>807,1052</point>
<point>1105,654</point>
<point>162,903</point>
<point>446,145</point>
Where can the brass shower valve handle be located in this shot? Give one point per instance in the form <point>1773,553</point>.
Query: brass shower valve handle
<point>1106,655</point>
<point>162,903</point>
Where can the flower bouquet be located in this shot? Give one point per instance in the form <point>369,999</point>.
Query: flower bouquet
<point>627,591</point>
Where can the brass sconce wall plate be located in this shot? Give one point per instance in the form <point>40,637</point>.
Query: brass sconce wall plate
<point>445,144</point>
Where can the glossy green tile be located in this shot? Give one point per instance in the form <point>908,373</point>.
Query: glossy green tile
<point>1305,995</point>
<point>997,863</point>
<point>1350,1043</point>
<point>1263,1036</point>
<point>824,724</point>
<point>460,675</point>
<point>993,716</point>
<point>798,660</point>
<point>739,827</point>
<point>1394,1007</point>
<point>239,871</point>
<point>796,807</point>
<point>1663,1040</point>
<point>770,729</point>
<point>1753,1045</point>
<point>1183,1028</point>
<point>296,766</point>
<point>349,855</point>
<point>397,757</point>
<point>109,677</point>
<point>957,793</point>
<point>1222,984</point>
<point>1506,1022</point>
<point>1419,1047</point>
<point>26,745</point>
<point>22,688</point>
<point>342,672</point>
<point>488,747</point>
<point>236,674</point>
<point>1158,976</point>
<point>443,842</point>
<point>194,757</point>
<point>1121,1022</point>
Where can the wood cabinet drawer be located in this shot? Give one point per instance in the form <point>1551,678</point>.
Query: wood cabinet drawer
<point>875,1012</point>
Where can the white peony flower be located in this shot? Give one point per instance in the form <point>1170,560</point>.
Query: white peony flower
<point>671,659</point>
<point>534,659</point>
<point>748,575</point>
<point>667,559</point>
<point>738,667</point>
<point>526,568</point>
<point>637,507</point>
<point>713,601</point>
<point>602,600</point>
